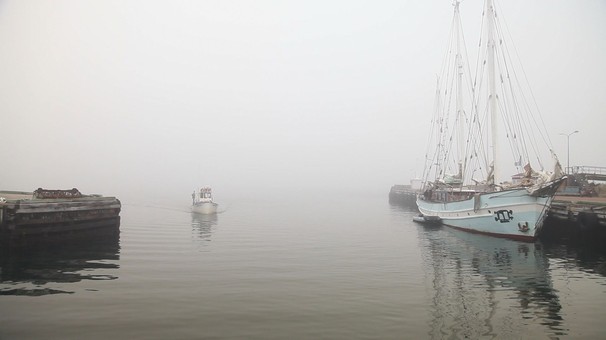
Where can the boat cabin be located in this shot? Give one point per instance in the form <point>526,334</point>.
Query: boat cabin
<point>202,196</point>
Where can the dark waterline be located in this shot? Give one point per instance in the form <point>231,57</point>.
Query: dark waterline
<point>355,267</point>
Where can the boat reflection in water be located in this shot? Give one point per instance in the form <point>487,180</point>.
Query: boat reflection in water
<point>56,264</point>
<point>485,286</point>
<point>203,225</point>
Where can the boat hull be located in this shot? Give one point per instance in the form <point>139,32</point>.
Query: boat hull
<point>205,208</point>
<point>513,214</point>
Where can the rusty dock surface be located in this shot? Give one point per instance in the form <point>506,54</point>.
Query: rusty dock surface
<point>44,212</point>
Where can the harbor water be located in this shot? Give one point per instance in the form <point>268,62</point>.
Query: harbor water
<point>301,267</point>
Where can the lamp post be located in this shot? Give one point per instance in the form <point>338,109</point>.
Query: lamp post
<point>568,146</point>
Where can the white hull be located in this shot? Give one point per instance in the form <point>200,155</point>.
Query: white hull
<point>511,213</point>
<point>205,208</point>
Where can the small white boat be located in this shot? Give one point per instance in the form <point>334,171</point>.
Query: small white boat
<point>202,202</point>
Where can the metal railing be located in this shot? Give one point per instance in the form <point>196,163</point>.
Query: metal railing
<point>585,169</point>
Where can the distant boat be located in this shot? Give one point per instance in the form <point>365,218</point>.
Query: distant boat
<point>202,202</point>
<point>477,120</point>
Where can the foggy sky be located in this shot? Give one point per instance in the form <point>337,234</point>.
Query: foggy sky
<point>140,98</point>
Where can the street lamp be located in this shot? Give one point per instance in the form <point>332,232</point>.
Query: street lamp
<point>568,143</point>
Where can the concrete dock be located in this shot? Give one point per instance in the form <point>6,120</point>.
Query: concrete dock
<point>44,212</point>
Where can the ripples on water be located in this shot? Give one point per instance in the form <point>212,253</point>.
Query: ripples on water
<point>297,268</point>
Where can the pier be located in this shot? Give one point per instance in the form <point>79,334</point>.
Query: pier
<point>44,212</point>
<point>405,194</point>
<point>578,211</point>
<point>577,218</point>
<point>592,173</point>
<point>582,179</point>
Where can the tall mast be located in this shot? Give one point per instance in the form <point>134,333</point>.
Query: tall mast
<point>492,97</point>
<point>459,99</point>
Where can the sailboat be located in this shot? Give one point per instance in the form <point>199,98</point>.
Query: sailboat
<point>466,160</point>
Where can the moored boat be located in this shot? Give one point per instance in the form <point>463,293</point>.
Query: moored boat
<point>464,185</point>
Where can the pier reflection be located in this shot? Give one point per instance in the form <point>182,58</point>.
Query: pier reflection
<point>486,286</point>
<point>403,204</point>
<point>588,258</point>
<point>203,225</point>
<point>52,264</point>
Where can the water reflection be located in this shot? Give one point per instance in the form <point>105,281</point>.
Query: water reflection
<point>409,205</point>
<point>589,258</point>
<point>47,265</point>
<point>203,225</point>
<point>485,286</point>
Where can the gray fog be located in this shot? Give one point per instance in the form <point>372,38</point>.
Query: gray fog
<point>147,100</point>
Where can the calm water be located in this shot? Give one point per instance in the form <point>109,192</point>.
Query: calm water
<point>308,267</point>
